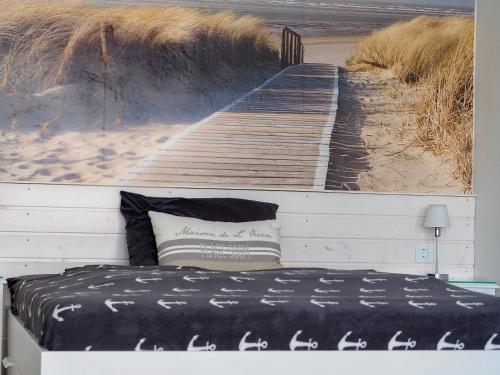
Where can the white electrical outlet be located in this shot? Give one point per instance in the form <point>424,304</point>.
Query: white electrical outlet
<point>424,253</point>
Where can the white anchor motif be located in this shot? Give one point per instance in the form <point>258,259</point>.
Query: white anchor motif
<point>139,345</point>
<point>244,345</point>
<point>343,343</point>
<point>457,290</point>
<point>179,290</point>
<point>442,344</point>
<point>286,281</point>
<point>193,279</point>
<point>220,304</point>
<point>110,303</point>
<point>125,295</point>
<point>88,293</point>
<point>272,302</point>
<point>280,291</point>
<point>206,272</point>
<point>76,273</point>
<point>298,272</point>
<point>116,275</point>
<point>416,296</point>
<point>228,295</point>
<point>415,279</point>
<point>330,281</point>
<point>100,286</point>
<point>489,345</point>
<point>372,281</point>
<point>364,290</point>
<point>371,296</point>
<point>469,305</point>
<point>251,272</point>
<point>323,304</point>
<point>326,291</point>
<point>421,305</point>
<point>58,310</point>
<point>146,281</point>
<point>394,343</point>
<point>240,279</point>
<point>31,303</point>
<point>415,290</point>
<point>208,347</point>
<point>372,304</point>
<point>137,291</point>
<point>69,286</point>
<point>226,290</point>
<point>168,305</point>
<point>295,343</point>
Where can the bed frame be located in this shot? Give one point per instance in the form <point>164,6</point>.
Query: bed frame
<point>47,228</point>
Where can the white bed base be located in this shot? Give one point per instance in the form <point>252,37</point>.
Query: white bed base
<point>27,358</point>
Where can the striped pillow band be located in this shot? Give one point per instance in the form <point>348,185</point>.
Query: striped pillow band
<point>184,241</point>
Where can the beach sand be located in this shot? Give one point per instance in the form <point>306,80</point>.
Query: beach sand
<point>330,49</point>
<point>374,142</point>
<point>59,135</point>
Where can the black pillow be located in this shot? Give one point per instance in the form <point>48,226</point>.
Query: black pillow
<point>140,236</point>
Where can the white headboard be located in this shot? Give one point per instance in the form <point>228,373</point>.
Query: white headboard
<point>45,228</point>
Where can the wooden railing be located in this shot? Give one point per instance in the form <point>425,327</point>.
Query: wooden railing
<point>292,49</point>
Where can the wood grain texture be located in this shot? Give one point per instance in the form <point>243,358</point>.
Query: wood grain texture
<point>47,228</point>
<point>283,125</point>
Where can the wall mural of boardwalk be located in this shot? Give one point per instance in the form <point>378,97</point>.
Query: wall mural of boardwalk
<point>251,94</point>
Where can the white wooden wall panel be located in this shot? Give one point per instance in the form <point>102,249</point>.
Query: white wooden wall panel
<point>46,228</point>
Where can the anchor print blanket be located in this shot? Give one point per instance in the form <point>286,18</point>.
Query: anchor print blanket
<point>165,308</point>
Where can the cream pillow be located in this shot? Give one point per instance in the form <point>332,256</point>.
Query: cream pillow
<point>216,245</point>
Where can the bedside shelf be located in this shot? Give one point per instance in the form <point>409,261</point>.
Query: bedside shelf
<point>485,287</point>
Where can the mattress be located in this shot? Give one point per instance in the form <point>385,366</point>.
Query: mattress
<point>167,308</point>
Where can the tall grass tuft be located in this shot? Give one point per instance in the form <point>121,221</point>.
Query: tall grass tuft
<point>46,43</point>
<point>436,53</point>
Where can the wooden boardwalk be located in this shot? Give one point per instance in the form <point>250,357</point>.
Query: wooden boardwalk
<point>276,136</point>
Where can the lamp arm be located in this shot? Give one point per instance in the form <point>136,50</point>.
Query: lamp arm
<point>436,260</point>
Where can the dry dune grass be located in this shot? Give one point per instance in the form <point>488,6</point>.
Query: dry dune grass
<point>436,53</point>
<point>43,44</point>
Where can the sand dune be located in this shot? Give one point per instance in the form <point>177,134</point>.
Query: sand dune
<point>86,92</point>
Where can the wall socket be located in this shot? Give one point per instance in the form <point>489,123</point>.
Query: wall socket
<point>424,253</point>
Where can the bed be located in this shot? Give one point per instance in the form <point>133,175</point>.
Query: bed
<point>165,308</point>
<point>327,238</point>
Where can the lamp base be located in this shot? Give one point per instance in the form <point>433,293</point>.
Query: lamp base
<point>440,276</point>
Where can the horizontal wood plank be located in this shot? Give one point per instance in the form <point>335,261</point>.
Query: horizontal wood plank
<point>109,221</point>
<point>383,204</point>
<point>32,246</point>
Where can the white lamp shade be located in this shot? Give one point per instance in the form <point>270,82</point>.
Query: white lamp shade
<point>436,216</point>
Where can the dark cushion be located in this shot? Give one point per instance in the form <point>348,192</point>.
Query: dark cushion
<point>140,236</point>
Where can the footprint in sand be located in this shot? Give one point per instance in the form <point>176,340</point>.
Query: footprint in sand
<point>107,151</point>
<point>162,139</point>
<point>68,177</point>
<point>39,172</point>
<point>47,161</point>
<point>22,166</point>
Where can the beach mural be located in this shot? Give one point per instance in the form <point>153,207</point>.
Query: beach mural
<point>273,94</point>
